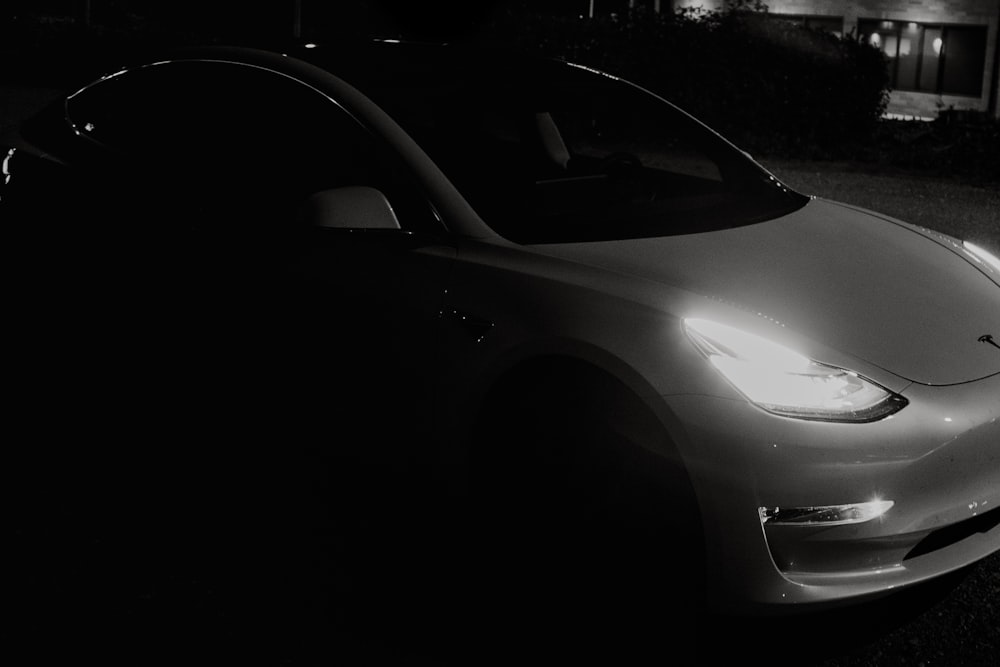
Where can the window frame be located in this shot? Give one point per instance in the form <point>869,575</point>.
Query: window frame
<point>389,163</point>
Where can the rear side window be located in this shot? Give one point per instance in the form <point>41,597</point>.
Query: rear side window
<point>243,142</point>
<point>226,127</point>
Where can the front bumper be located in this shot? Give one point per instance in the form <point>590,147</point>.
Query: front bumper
<point>938,460</point>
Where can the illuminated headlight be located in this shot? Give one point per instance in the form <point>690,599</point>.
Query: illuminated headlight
<point>784,382</point>
<point>982,256</point>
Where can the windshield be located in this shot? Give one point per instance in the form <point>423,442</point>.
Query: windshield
<point>554,153</point>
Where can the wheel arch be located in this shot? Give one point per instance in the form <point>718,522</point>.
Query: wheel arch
<point>593,377</point>
<point>651,463</point>
<point>583,367</point>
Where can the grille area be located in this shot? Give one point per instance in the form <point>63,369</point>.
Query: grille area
<point>945,537</point>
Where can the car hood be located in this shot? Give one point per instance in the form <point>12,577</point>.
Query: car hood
<point>876,289</point>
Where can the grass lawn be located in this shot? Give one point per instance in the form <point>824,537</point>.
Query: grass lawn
<point>947,205</point>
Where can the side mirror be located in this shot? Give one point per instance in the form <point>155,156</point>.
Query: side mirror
<point>351,207</point>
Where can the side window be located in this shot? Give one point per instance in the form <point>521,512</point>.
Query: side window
<point>234,144</point>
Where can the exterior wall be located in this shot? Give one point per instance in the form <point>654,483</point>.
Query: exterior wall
<point>973,12</point>
<point>908,103</point>
<point>704,4</point>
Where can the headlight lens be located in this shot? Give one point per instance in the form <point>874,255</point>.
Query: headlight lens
<point>784,382</point>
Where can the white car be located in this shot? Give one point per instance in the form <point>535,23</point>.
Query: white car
<point>546,290</point>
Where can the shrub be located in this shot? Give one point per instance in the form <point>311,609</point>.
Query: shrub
<point>962,144</point>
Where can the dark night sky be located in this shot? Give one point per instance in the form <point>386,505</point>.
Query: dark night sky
<point>53,39</point>
<point>427,18</point>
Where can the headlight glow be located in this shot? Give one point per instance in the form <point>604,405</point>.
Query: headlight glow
<point>982,256</point>
<point>784,382</point>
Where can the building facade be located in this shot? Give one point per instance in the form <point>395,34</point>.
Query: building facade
<point>942,53</point>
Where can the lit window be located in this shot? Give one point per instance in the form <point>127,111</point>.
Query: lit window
<point>928,58</point>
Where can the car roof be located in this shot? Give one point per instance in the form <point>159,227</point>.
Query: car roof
<point>387,56</point>
<point>400,64</point>
<point>340,73</point>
